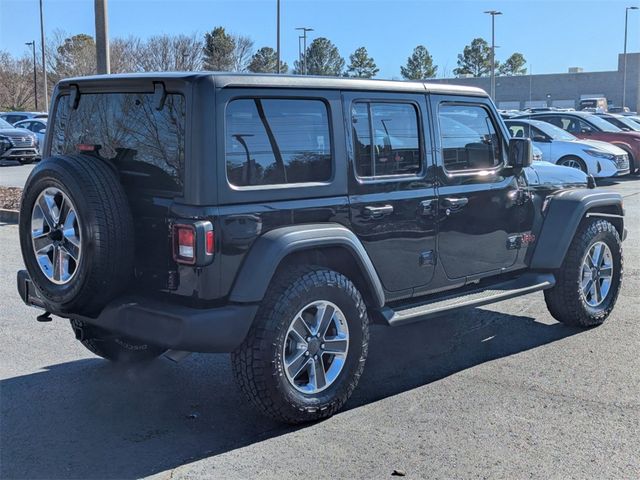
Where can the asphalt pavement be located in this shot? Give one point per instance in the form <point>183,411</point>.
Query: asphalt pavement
<point>12,174</point>
<point>501,391</point>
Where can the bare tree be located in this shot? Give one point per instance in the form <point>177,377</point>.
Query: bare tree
<point>242,53</point>
<point>124,54</point>
<point>16,82</point>
<point>170,53</point>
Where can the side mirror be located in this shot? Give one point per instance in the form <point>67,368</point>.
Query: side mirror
<point>520,152</point>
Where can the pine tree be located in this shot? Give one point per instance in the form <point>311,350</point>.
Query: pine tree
<point>514,65</point>
<point>361,64</point>
<point>322,58</point>
<point>218,50</point>
<point>265,61</point>
<point>475,59</point>
<point>419,65</point>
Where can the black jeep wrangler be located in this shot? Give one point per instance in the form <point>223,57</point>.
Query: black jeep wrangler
<point>276,217</point>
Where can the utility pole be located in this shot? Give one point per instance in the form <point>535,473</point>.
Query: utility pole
<point>304,51</point>
<point>102,37</point>
<point>278,35</point>
<point>32,44</point>
<point>44,63</point>
<point>300,49</point>
<point>493,14</point>
<point>624,60</point>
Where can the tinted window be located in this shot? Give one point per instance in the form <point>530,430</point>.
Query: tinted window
<point>14,118</point>
<point>386,139</point>
<point>146,144</point>
<point>277,141</point>
<point>469,138</point>
<point>38,127</point>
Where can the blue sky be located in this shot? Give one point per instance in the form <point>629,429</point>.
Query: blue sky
<point>552,34</point>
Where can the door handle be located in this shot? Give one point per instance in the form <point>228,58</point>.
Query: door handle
<point>455,203</point>
<point>377,212</point>
<point>428,207</point>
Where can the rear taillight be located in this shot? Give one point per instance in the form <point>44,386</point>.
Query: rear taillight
<point>184,244</point>
<point>193,242</point>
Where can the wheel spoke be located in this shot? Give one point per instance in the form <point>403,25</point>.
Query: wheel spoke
<point>63,211</point>
<point>587,288</point>
<point>41,242</point>
<point>598,255</point>
<point>318,376</point>
<point>43,204</point>
<point>325,316</point>
<point>606,272</point>
<point>297,365</point>
<point>57,263</point>
<point>598,291</point>
<point>71,249</point>
<point>301,327</point>
<point>336,345</point>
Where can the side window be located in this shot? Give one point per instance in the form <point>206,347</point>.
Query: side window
<point>386,139</point>
<point>277,141</point>
<point>469,138</point>
<point>517,130</point>
<point>38,127</point>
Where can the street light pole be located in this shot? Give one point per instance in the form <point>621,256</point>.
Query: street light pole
<point>32,44</point>
<point>624,55</point>
<point>493,14</point>
<point>304,51</point>
<point>102,37</point>
<point>44,64</point>
<point>278,35</point>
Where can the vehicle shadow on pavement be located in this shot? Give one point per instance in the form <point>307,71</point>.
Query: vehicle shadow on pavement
<point>91,419</point>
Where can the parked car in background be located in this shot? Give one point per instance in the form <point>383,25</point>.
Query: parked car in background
<point>18,144</point>
<point>619,110</point>
<point>14,117</point>
<point>620,121</point>
<point>596,158</point>
<point>592,127</point>
<point>36,125</point>
<point>596,104</point>
<point>634,118</point>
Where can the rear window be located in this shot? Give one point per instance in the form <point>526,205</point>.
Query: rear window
<point>277,141</point>
<point>146,144</point>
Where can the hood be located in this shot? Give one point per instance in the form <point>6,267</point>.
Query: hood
<point>604,146</point>
<point>545,174</point>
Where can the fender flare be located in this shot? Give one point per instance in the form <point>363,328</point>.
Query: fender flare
<point>270,249</point>
<point>564,214</point>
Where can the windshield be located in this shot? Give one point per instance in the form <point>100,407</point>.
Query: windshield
<point>5,124</point>
<point>554,132</point>
<point>602,124</point>
<point>627,122</point>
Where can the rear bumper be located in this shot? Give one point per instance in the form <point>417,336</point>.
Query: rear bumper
<point>177,327</point>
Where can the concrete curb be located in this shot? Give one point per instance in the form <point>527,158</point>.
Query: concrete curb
<point>9,216</point>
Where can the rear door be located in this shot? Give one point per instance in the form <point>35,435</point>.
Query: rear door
<point>392,198</point>
<point>484,208</point>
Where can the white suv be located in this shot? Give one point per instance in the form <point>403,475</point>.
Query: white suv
<point>600,159</point>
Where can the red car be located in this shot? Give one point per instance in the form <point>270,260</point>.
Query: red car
<point>592,127</point>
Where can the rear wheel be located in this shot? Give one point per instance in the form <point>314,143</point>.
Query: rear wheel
<point>114,348</point>
<point>573,162</point>
<point>589,280</point>
<point>305,353</point>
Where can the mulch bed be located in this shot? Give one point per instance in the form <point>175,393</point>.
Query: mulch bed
<point>10,197</point>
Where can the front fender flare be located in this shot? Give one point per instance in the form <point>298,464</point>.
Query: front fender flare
<point>564,214</point>
<point>271,248</point>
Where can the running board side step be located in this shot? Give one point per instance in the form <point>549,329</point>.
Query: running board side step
<point>491,293</point>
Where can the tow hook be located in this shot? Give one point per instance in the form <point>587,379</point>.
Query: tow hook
<point>45,317</point>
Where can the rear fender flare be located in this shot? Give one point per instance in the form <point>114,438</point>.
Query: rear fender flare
<point>273,247</point>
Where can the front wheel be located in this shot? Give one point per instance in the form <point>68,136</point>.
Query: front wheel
<point>589,280</point>
<point>573,162</point>
<point>305,353</point>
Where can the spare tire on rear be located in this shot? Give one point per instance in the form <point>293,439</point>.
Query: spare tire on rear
<point>76,233</point>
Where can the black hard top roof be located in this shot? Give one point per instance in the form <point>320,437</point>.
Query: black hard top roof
<point>256,80</point>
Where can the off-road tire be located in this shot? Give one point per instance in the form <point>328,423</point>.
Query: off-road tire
<point>115,349</point>
<point>258,362</point>
<point>107,232</point>
<point>565,301</point>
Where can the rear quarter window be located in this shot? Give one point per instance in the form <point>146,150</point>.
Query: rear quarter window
<point>147,145</point>
<point>271,141</point>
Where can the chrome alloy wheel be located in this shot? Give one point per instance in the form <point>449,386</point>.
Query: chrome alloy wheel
<point>315,347</point>
<point>597,274</point>
<point>572,163</point>
<point>55,235</point>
